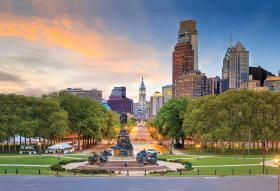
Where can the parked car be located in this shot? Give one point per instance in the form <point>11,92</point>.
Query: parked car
<point>152,151</point>
<point>27,149</point>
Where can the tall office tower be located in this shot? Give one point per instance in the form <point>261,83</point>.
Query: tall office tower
<point>184,53</point>
<point>166,93</point>
<point>187,80</point>
<point>235,72</point>
<point>156,102</point>
<point>188,34</point>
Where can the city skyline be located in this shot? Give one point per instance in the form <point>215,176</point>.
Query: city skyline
<point>50,46</point>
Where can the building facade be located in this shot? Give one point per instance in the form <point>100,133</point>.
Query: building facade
<point>156,102</point>
<point>140,109</point>
<point>235,71</point>
<point>272,83</point>
<point>187,80</point>
<point>119,102</point>
<point>213,85</point>
<point>166,93</point>
<point>93,93</point>
<point>192,85</point>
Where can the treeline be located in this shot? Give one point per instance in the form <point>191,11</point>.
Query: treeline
<point>53,117</point>
<point>231,119</point>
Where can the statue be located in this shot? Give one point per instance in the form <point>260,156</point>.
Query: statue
<point>123,148</point>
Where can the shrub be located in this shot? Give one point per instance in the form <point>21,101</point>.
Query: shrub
<point>57,167</point>
<point>91,171</point>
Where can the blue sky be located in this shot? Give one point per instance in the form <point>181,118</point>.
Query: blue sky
<point>52,45</point>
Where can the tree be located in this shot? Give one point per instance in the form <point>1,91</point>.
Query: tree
<point>169,120</point>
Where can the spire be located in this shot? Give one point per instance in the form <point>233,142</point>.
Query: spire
<point>142,86</point>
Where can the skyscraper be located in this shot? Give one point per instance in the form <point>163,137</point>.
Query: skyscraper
<point>235,72</point>
<point>156,102</point>
<point>187,80</point>
<point>140,109</point>
<point>119,102</point>
<point>166,93</point>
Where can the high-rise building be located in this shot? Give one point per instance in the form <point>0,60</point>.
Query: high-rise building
<point>187,80</point>
<point>213,85</point>
<point>192,85</point>
<point>156,102</point>
<point>235,72</point>
<point>93,93</point>
<point>166,93</point>
<point>140,109</point>
<point>119,102</point>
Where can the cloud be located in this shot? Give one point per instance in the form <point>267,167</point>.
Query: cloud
<point>63,47</point>
<point>7,77</point>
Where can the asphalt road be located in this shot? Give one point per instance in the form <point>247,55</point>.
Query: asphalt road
<point>52,183</point>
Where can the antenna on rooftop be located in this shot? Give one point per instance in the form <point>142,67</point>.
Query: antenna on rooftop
<point>230,40</point>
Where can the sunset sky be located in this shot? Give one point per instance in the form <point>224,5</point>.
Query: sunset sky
<point>50,45</point>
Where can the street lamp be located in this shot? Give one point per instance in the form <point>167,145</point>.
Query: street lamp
<point>197,146</point>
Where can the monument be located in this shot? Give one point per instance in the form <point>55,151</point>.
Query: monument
<point>123,147</point>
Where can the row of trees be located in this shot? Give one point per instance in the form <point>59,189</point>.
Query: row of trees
<point>53,117</point>
<point>236,116</point>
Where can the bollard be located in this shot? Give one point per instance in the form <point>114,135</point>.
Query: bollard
<point>145,172</point>
<point>232,172</point>
<point>197,171</point>
<point>5,171</point>
<point>127,172</point>
<point>215,171</point>
<point>39,172</point>
<point>250,171</point>
<point>16,171</point>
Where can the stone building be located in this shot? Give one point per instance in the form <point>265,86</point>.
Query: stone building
<point>93,93</point>
<point>192,85</point>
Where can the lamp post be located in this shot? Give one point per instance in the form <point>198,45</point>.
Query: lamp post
<point>197,146</point>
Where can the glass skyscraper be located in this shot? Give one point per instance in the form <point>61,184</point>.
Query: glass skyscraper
<point>235,72</point>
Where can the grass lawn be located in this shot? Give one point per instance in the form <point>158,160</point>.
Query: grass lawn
<point>32,159</point>
<point>225,171</point>
<point>214,160</point>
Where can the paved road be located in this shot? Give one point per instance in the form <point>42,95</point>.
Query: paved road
<point>52,183</point>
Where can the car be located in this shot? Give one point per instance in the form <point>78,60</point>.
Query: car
<point>152,151</point>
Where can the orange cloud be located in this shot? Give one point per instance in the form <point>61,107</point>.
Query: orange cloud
<point>105,49</point>
<point>92,50</point>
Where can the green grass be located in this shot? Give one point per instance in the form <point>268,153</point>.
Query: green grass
<point>225,171</point>
<point>33,159</point>
<point>214,160</point>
